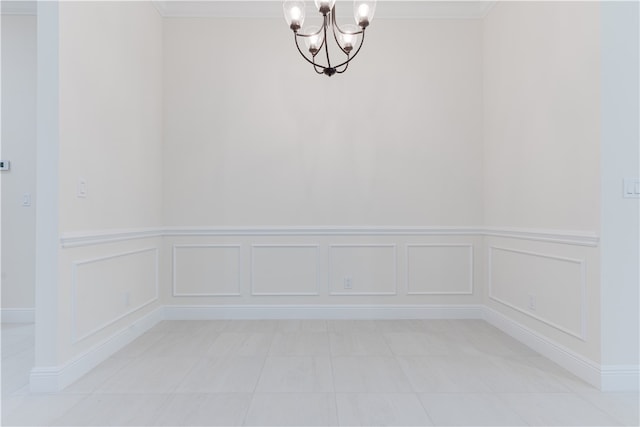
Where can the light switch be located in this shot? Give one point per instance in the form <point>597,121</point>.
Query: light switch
<point>82,188</point>
<point>26,199</point>
<point>631,188</point>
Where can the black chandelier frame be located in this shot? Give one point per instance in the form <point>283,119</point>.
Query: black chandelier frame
<point>329,19</point>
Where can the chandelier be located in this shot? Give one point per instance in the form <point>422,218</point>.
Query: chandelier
<point>316,38</point>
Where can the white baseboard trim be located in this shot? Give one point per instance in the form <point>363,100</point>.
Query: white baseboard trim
<point>603,377</point>
<point>56,378</point>
<point>212,312</point>
<point>620,378</point>
<point>18,315</point>
<point>578,365</point>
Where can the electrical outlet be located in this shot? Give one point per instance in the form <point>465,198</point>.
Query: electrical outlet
<point>532,302</point>
<point>348,282</point>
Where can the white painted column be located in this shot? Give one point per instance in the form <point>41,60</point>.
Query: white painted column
<point>46,328</point>
<point>620,229</point>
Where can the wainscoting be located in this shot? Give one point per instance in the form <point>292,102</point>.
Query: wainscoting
<point>381,266</point>
<point>540,287</point>
<point>285,269</point>
<point>431,266</point>
<point>108,288</point>
<point>549,288</point>
<point>207,270</point>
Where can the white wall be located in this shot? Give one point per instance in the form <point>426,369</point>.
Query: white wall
<point>542,115</point>
<point>541,93</point>
<point>110,115</point>
<point>620,158</point>
<point>255,138</point>
<point>19,147</point>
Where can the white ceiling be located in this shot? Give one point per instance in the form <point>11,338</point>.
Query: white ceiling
<point>386,9</point>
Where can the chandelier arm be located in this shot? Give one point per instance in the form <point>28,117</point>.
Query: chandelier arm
<point>354,55</point>
<point>315,68</point>
<point>335,36</point>
<point>346,32</point>
<point>326,44</point>
<point>334,22</point>
<point>309,35</point>
<point>345,68</point>
<point>334,26</point>
<point>311,61</point>
<point>303,55</point>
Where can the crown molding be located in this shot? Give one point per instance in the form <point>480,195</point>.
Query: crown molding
<point>386,9</point>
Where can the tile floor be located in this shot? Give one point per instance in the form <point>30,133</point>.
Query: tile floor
<point>305,372</point>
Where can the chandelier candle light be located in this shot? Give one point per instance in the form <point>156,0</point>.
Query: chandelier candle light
<point>315,38</point>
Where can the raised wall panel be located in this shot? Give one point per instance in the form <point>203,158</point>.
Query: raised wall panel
<point>206,270</point>
<point>371,269</point>
<point>439,269</point>
<point>547,287</point>
<point>284,269</point>
<point>106,289</point>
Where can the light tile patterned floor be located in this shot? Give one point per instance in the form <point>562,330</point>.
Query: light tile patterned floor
<point>314,372</point>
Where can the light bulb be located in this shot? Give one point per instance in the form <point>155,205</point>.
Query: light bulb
<point>325,6</point>
<point>314,41</point>
<point>348,37</point>
<point>295,14</point>
<point>363,11</point>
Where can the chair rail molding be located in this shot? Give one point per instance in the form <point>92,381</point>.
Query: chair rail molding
<point>96,237</point>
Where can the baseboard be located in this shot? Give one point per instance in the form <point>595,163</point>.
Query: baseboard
<point>578,365</point>
<point>17,315</point>
<point>620,378</point>
<point>56,378</point>
<point>198,312</point>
